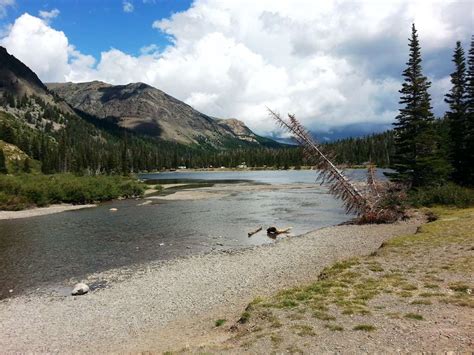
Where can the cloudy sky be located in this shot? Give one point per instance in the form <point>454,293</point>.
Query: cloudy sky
<point>335,64</point>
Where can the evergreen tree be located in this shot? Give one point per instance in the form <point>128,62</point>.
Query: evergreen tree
<point>457,100</point>
<point>417,160</point>
<point>3,166</point>
<point>469,134</point>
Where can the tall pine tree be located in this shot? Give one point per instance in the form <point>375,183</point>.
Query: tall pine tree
<point>417,160</point>
<point>469,134</point>
<point>457,115</point>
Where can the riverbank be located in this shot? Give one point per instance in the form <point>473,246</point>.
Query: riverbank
<point>42,211</point>
<point>413,295</point>
<point>171,305</point>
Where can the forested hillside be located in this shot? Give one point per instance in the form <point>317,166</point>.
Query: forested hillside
<point>376,148</point>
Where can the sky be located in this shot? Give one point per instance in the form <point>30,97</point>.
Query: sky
<point>336,64</point>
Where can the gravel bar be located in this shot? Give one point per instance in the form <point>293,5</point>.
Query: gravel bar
<point>131,314</point>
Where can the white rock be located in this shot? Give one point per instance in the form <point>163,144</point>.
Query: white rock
<point>80,289</point>
<point>113,209</point>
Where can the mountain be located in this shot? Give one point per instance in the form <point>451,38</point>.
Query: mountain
<point>115,129</point>
<point>147,110</point>
<point>19,80</point>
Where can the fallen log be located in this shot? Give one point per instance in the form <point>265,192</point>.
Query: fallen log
<point>273,231</point>
<point>255,231</point>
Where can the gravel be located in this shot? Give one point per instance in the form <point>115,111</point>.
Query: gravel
<point>42,211</point>
<point>130,314</point>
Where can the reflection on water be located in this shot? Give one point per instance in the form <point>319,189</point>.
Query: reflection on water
<point>48,250</point>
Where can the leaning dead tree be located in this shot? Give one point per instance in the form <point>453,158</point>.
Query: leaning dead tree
<point>366,204</point>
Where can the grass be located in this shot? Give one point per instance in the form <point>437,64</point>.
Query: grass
<point>304,330</point>
<point>220,322</point>
<point>447,195</point>
<point>244,317</point>
<point>30,190</point>
<point>459,287</point>
<point>334,327</point>
<point>410,271</point>
<point>422,302</point>
<point>364,327</point>
<point>276,340</point>
<point>415,316</point>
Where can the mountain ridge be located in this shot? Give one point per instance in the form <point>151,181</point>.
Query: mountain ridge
<point>147,110</point>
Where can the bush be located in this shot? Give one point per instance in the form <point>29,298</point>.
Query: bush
<point>22,191</point>
<point>449,194</point>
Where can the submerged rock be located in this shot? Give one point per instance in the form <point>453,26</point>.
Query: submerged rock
<point>80,289</point>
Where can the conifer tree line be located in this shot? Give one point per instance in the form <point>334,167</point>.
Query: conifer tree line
<point>428,151</point>
<point>87,145</point>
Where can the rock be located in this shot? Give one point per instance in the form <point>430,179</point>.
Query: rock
<point>113,209</point>
<point>80,289</point>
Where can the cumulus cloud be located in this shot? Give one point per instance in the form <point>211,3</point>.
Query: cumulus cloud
<point>332,63</point>
<point>127,6</point>
<point>49,15</point>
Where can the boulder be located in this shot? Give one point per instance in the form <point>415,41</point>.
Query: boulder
<point>80,289</point>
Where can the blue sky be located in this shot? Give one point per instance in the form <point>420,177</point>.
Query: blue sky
<point>336,64</point>
<point>97,25</point>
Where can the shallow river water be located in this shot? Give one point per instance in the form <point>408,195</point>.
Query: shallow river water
<point>42,252</point>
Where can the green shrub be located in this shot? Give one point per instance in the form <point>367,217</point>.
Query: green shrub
<point>22,191</point>
<point>449,194</point>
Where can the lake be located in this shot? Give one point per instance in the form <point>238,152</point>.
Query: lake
<point>45,252</point>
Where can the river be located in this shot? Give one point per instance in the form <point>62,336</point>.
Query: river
<point>46,252</point>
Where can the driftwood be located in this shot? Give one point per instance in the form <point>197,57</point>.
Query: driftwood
<point>254,231</point>
<point>273,231</point>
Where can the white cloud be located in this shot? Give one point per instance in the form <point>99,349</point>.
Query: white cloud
<point>4,4</point>
<point>127,6</point>
<point>49,15</point>
<point>152,48</point>
<point>332,63</point>
<point>42,48</point>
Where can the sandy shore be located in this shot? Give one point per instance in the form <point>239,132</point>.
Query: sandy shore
<point>41,211</point>
<point>168,306</point>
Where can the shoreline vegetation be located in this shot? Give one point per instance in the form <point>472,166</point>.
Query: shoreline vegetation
<point>20,192</point>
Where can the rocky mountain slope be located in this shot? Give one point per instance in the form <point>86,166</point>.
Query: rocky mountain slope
<point>19,80</point>
<point>147,110</point>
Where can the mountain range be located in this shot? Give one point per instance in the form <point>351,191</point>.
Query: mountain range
<point>137,107</point>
